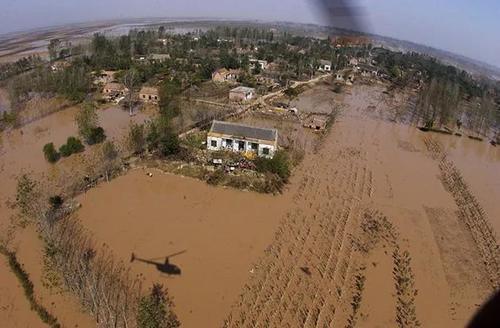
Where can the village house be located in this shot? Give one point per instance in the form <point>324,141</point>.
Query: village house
<point>158,58</point>
<point>241,94</point>
<point>225,75</point>
<point>316,122</point>
<point>104,77</point>
<point>267,81</point>
<point>368,70</point>
<point>325,66</point>
<point>59,65</point>
<point>114,90</point>
<point>242,138</point>
<point>350,79</point>
<point>262,63</point>
<point>353,62</point>
<point>149,95</point>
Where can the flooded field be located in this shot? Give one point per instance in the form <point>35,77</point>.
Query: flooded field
<point>219,233</point>
<point>374,204</point>
<point>21,151</point>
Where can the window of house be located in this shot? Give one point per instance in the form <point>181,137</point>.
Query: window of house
<point>213,143</point>
<point>254,146</point>
<point>265,151</point>
<point>229,142</point>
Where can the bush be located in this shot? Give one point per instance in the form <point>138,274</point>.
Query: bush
<point>168,144</point>
<point>216,177</point>
<point>56,202</point>
<point>279,165</point>
<point>136,140</point>
<point>155,310</point>
<point>96,136</point>
<point>72,146</point>
<point>50,152</point>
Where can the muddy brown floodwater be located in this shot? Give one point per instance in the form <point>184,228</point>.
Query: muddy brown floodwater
<point>21,150</point>
<point>372,203</point>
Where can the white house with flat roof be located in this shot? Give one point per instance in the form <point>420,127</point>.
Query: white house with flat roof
<point>242,138</point>
<point>325,66</point>
<point>241,94</point>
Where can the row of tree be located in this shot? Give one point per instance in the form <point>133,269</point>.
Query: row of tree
<point>73,82</point>
<point>104,286</point>
<point>22,65</point>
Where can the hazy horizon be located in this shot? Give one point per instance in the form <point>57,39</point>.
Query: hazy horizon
<point>459,26</point>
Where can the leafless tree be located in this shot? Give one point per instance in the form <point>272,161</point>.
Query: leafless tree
<point>131,80</point>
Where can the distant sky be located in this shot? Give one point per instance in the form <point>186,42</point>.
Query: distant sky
<point>468,27</point>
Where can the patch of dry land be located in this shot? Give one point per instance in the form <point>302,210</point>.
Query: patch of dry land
<point>381,226</point>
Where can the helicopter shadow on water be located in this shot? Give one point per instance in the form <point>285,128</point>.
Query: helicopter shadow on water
<point>165,267</point>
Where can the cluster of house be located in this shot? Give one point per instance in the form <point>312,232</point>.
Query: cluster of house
<point>116,91</point>
<point>242,93</point>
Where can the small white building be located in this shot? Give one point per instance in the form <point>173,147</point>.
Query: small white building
<point>353,61</point>
<point>241,94</point>
<point>325,66</point>
<point>262,63</point>
<point>242,138</point>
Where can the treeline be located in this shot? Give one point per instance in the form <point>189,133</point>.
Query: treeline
<point>104,286</point>
<point>407,66</point>
<point>22,65</point>
<point>73,82</point>
<point>27,285</point>
<point>241,33</point>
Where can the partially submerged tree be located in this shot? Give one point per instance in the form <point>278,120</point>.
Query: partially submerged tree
<point>28,196</point>
<point>87,121</point>
<point>73,145</point>
<point>109,155</point>
<point>136,140</point>
<point>131,80</point>
<point>291,93</point>
<point>50,153</point>
<point>155,310</point>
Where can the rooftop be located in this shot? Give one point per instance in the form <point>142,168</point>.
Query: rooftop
<point>114,86</point>
<point>244,131</point>
<point>243,89</point>
<point>149,91</point>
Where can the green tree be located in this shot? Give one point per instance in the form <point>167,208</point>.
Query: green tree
<point>136,140</point>
<point>72,146</point>
<point>279,165</point>
<point>155,310</point>
<point>291,94</point>
<point>50,152</point>
<point>162,138</point>
<point>53,47</point>
<point>86,120</point>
